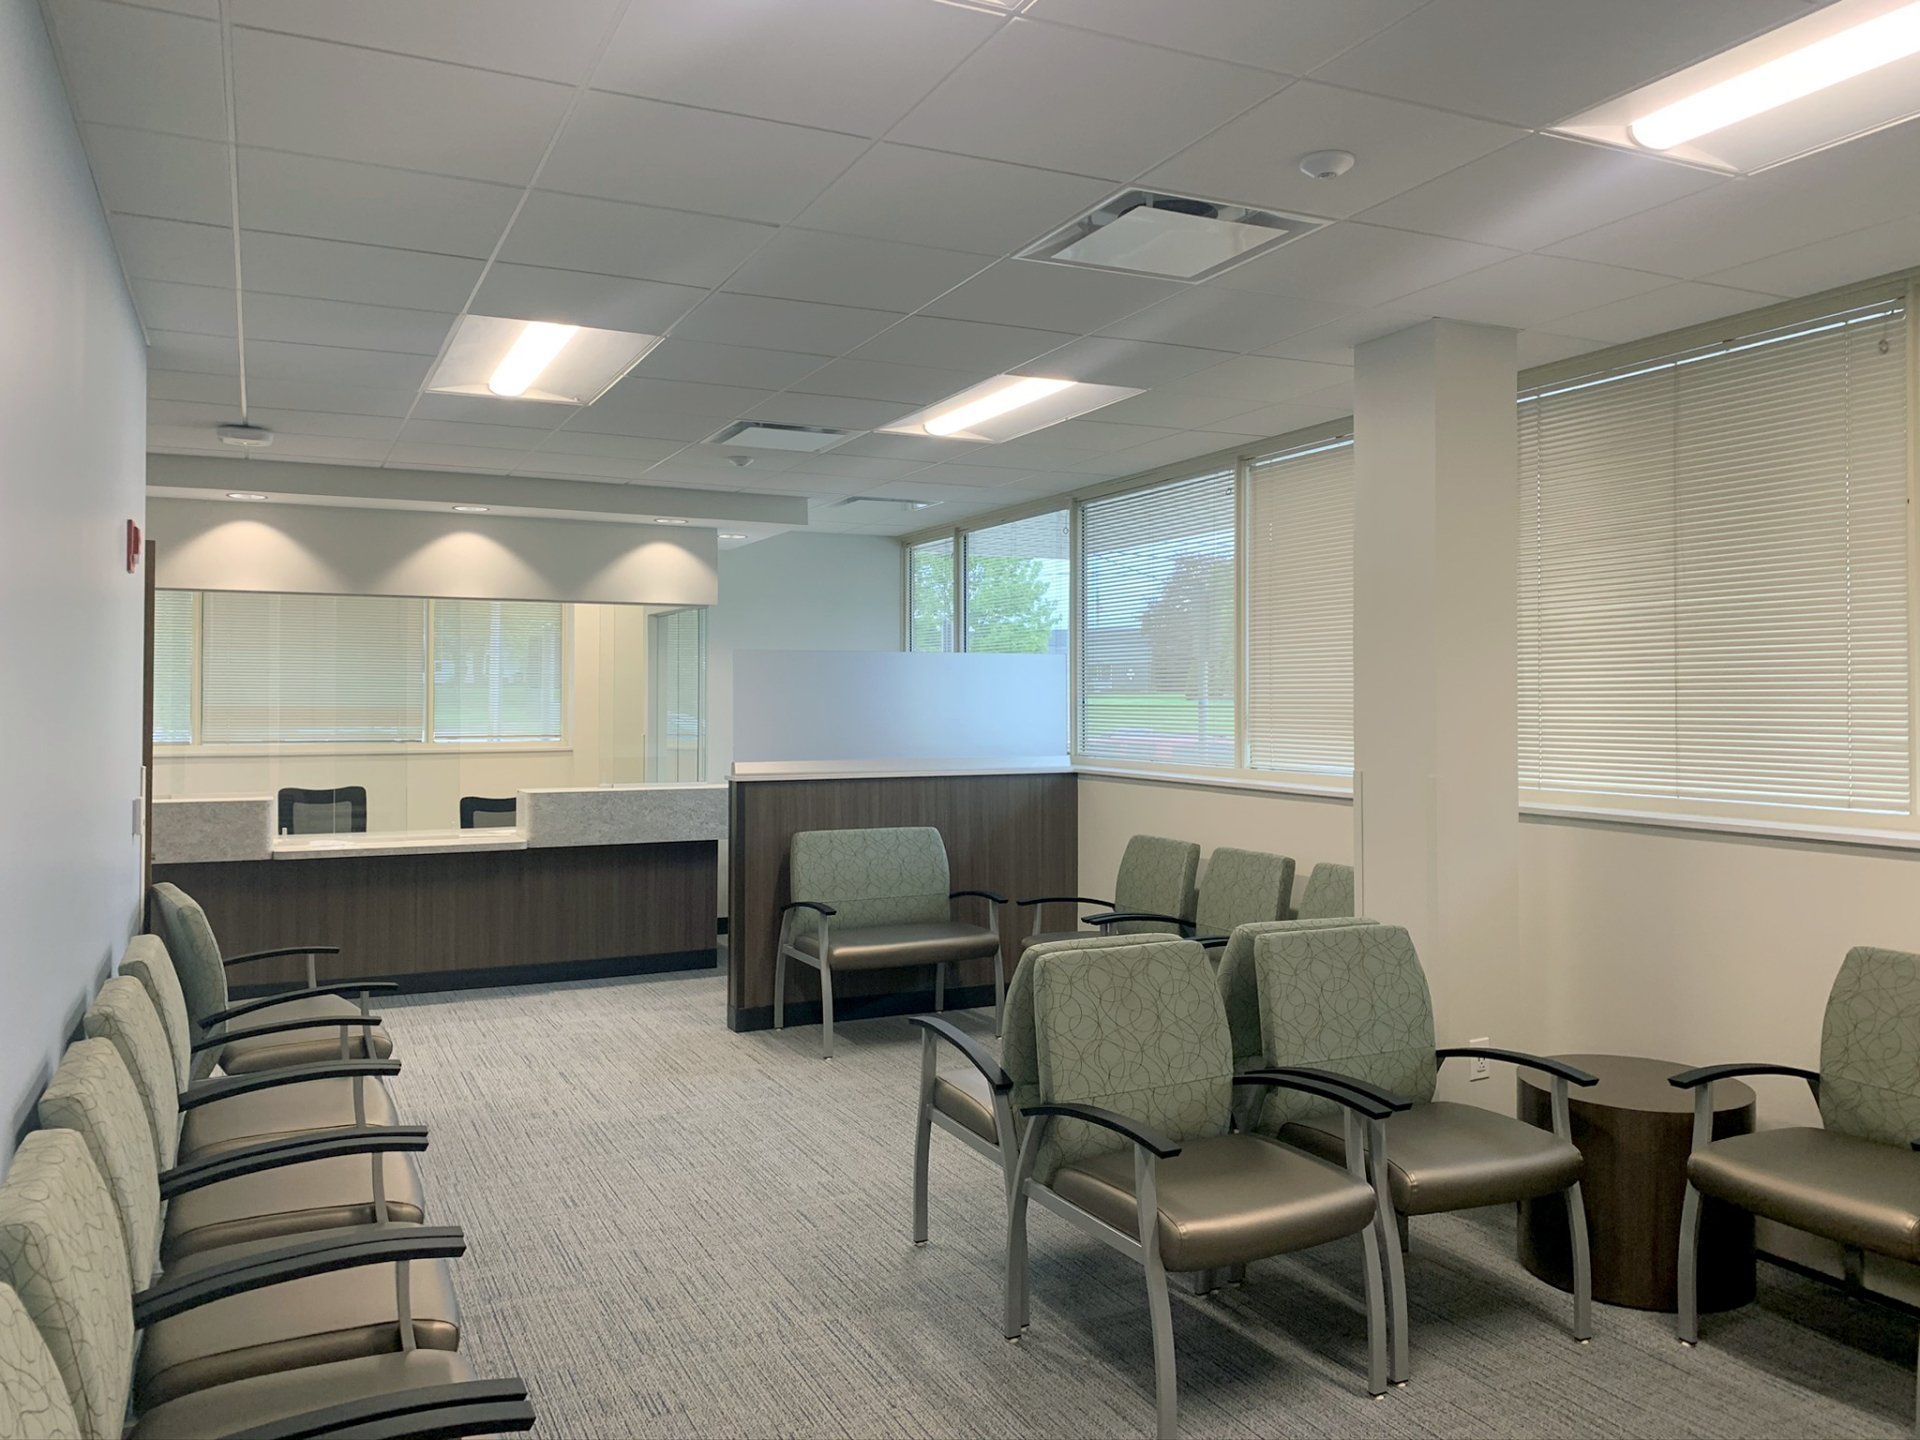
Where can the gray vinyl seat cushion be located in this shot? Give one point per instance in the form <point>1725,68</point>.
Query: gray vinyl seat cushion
<point>1857,1192</point>
<point>297,1200</point>
<point>346,1315</point>
<point>966,1097</point>
<point>1443,1157</point>
<point>284,1110</point>
<point>922,942</point>
<point>1225,1200</point>
<point>265,1399</point>
<point>302,1047</point>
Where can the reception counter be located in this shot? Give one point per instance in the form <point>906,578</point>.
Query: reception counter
<point>610,880</point>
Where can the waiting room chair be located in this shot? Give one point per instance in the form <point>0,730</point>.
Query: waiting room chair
<point>874,900</point>
<point>1156,877</point>
<point>1853,1179</point>
<point>482,812</point>
<point>1328,893</point>
<point>341,810</point>
<point>1129,1138</point>
<point>1350,1002</point>
<point>292,1027</point>
<point>1239,887</point>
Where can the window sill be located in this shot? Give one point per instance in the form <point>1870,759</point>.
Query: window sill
<point>1723,825</point>
<point>296,750</point>
<point>1229,780</point>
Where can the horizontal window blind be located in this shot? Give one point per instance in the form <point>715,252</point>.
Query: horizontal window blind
<point>930,595</point>
<point>496,670</point>
<point>1299,562</point>
<point>1017,585</point>
<point>173,667</point>
<point>1157,623</point>
<point>677,647</point>
<point>295,669</point>
<point>1713,572</point>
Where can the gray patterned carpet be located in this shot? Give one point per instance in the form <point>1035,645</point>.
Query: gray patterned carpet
<point>680,1231</point>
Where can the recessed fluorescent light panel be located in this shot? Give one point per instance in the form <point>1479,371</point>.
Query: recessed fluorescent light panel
<point>1176,237</point>
<point>1849,69</point>
<point>245,495</point>
<point>535,360</point>
<point>472,509</point>
<point>1007,407</point>
<point>766,435</point>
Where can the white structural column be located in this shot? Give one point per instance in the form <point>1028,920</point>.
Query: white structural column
<point>1435,614</point>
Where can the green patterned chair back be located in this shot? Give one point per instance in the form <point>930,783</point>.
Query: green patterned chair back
<point>1136,1028</point>
<point>1241,887</point>
<point>872,877</point>
<point>92,1095</point>
<point>33,1397</point>
<point>147,961</point>
<point>122,1013</point>
<point>60,1250</point>
<point>1156,874</point>
<point>1329,893</point>
<point>1240,983</point>
<point>1870,1047</point>
<point>1350,998</point>
<point>196,960</point>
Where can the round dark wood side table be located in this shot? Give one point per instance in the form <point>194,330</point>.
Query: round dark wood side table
<point>1635,1131</point>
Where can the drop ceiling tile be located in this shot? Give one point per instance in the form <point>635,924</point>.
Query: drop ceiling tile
<point>180,350</point>
<point>196,309</point>
<point>1332,343</point>
<point>1189,445</point>
<point>742,365</point>
<point>711,465</point>
<point>859,467</point>
<point>1213,317</point>
<point>335,449</point>
<point>927,490</point>
<point>1260,379</point>
<point>364,274</point>
<point>1094,436</point>
<point>1535,62</point>
<point>370,204</point>
<point>982,350</point>
<point>517,438</point>
<point>356,104</point>
<point>375,369</point>
<point>1105,360</point>
<point>1531,290</point>
<point>1175,409</point>
<point>836,411</point>
<point>476,458</point>
<point>143,173</point>
<point>584,467</point>
<point>145,68</point>
<point>695,159</point>
<point>1073,100</point>
<point>908,385</point>
<point>310,321</point>
<point>204,9</point>
<point>334,396</point>
<point>995,478</point>
<point>573,297</point>
<point>192,386</point>
<point>640,417</point>
<point>1252,161</point>
<point>581,444</point>
<point>174,250</point>
<point>854,65</point>
<point>183,440</point>
<point>188,414</point>
<point>492,410</point>
<point>923,448</point>
<point>925,197</point>
<point>781,324</point>
<point>1291,38</point>
<point>1671,308</point>
<point>610,237</point>
<point>1538,347</point>
<point>1053,297</point>
<point>852,270</point>
<point>554,40</point>
<point>1275,421</point>
<point>1527,195</point>
<point>1877,250</point>
<point>1358,264</point>
<point>317,422</point>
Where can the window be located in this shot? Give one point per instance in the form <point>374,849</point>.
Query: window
<point>1017,584</point>
<point>1713,573</point>
<point>677,661</point>
<point>173,617</point>
<point>496,670</point>
<point>1299,556</point>
<point>930,595</point>
<point>1156,628</point>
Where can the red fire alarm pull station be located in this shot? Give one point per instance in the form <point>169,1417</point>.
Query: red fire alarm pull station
<point>133,546</point>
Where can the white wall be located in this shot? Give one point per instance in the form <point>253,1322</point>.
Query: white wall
<point>73,423</point>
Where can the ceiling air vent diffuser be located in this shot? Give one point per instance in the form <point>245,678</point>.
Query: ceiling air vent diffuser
<point>767,435</point>
<point>1176,237</point>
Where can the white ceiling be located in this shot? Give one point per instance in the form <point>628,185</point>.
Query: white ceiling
<point>817,204</point>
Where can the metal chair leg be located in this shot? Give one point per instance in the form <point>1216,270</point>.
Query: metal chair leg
<point>1016,1310</point>
<point>1400,1365</point>
<point>1916,1398</point>
<point>1372,1242</point>
<point>826,1011</point>
<point>1582,1265</point>
<point>923,1137</point>
<point>1688,1321</point>
<point>780,988</point>
<point>1166,1385</point>
<point>999,993</point>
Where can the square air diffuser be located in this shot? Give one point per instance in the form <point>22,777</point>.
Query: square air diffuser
<point>767,435</point>
<point>1173,237</point>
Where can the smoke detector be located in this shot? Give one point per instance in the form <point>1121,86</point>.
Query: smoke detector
<point>246,437</point>
<point>1326,164</point>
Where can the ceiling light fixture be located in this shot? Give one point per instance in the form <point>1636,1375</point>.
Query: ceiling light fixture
<point>244,495</point>
<point>540,360</point>
<point>665,520</point>
<point>731,535</point>
<point>1849,69</point>
<point>1175,237</point>
<point>1007,407</point>
<point>472,509</point>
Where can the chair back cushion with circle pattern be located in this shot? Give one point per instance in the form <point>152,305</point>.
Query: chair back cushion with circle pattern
<point>1156,874</point>
<point>147,961</point>
<point>122,1013</point>
<point>93,1095</point>
<point>33,1397</point>
<point>1242,887</point>
<point>1240,982</point>
<point>871,877</point>
<point>1870,1047</point>
<point>1329,893</point>
<point>196,959</point>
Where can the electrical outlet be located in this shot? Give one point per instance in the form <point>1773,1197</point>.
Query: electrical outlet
<point>1478,1066</point>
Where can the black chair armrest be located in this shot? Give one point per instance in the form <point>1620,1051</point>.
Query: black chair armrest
<point>281,997</point>
<point>290,1150</point>
<point>311,1022</point>
<point>1388,1098</point>
<point>1572,1074</point>
<point>227,1086</point>
<point>975,1052</point>
<point>1326,1089</point>
<point>994,895</point>
<point>1064,900</point>
<point>808,905</point>
<point>1115,917</point>
<point>1707,1074</point>
<point>1210,942</point>
<point>439,1412</point>
<point>1147,1139</point>
<point>349,1248</point>
<point>231,960</point>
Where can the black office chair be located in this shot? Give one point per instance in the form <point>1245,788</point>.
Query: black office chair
<point>340,811</point>
<point>479,812</point>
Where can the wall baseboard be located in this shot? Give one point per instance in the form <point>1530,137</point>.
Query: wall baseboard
<point>491,978</point>
<point>866,1007</point>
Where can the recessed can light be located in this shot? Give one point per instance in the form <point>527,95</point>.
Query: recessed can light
<point>472,509</point>
<point>244,495</point>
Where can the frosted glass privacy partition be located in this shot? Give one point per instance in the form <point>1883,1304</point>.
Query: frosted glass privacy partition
<point>812,708</point>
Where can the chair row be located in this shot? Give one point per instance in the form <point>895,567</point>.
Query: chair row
<point>342,810</point>
<point>220,1227</point>
<point>871,899</point>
